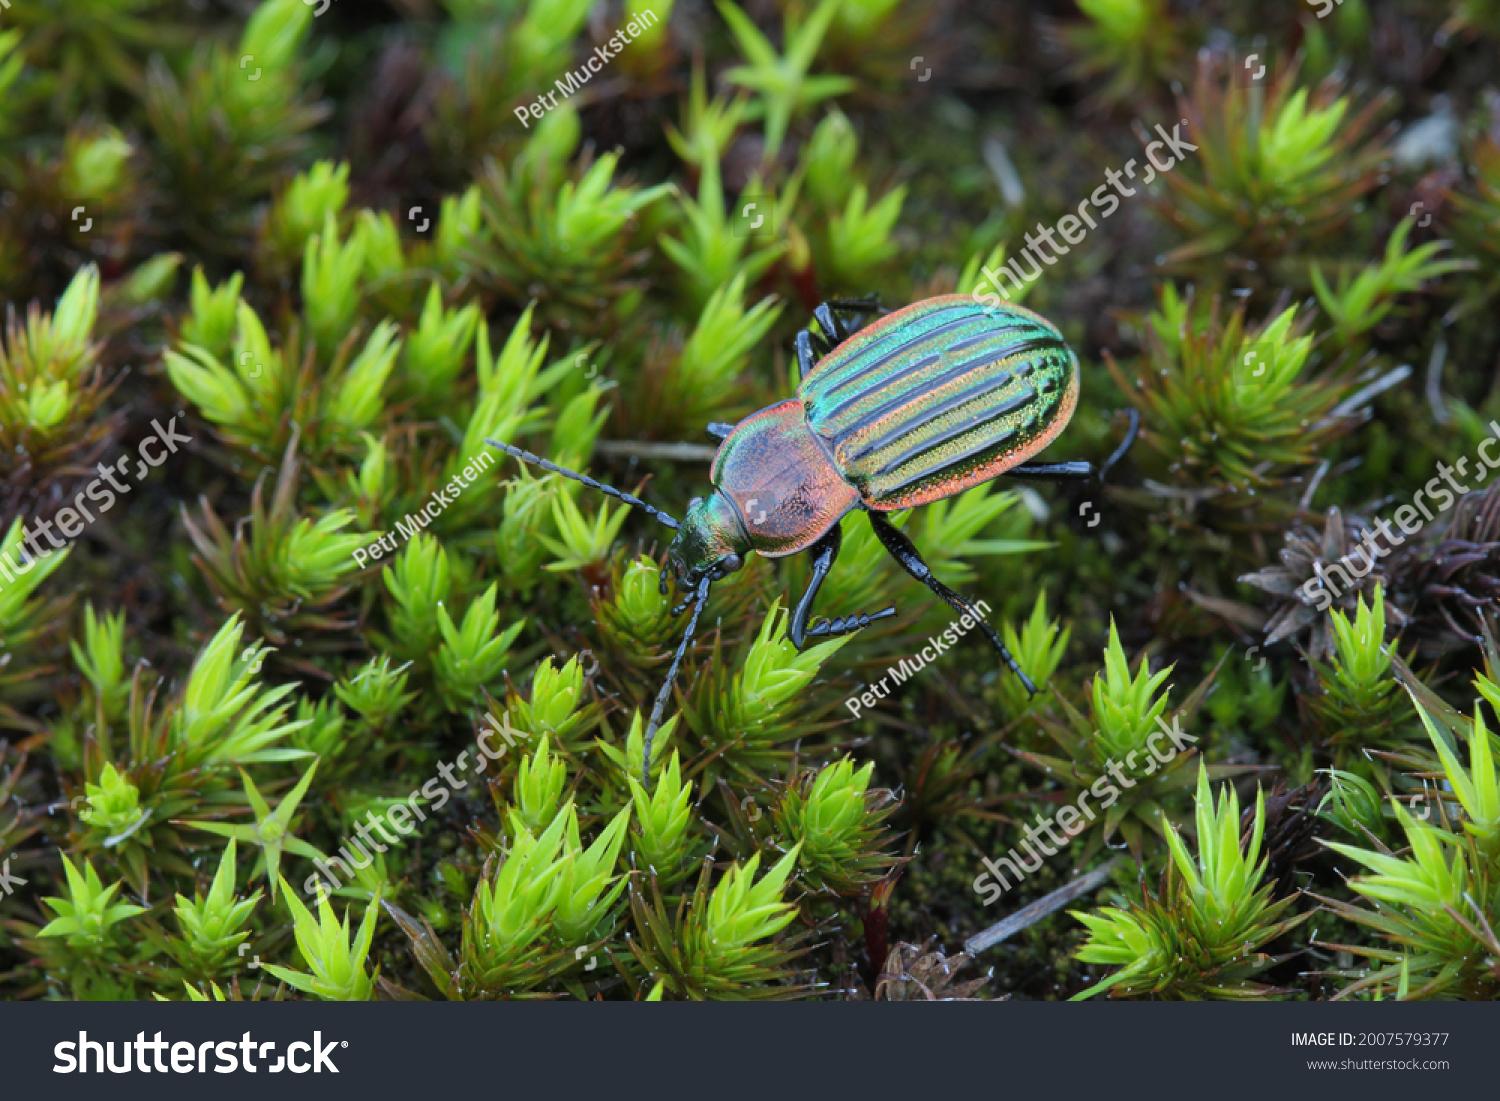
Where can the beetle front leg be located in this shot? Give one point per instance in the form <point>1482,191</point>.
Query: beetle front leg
<point>824,552</point>
<point>848,624</point>
<point>904,552</point>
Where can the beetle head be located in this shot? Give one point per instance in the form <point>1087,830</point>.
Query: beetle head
<point>711,542</point>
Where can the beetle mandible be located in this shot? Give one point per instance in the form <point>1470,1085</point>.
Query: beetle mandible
<point>922,404</point>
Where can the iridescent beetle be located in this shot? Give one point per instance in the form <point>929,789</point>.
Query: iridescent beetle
<point>922,404</point>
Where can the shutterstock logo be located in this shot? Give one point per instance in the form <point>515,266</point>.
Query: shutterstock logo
<point>143,1056</point>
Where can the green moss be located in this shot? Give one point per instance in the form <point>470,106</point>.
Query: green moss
<point>333,616</point>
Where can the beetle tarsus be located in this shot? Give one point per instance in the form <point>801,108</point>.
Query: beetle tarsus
<point>823,553</point>
<point>827,314</point>
<point>847,625</point>
<point>835,329</point>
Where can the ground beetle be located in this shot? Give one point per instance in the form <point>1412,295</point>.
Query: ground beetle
<point>922,404</point>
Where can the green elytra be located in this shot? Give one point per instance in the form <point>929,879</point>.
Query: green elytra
<point>919,405</point>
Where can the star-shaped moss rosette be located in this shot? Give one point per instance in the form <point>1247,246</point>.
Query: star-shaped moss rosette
<point>1476,206</point>
<point>1202,933</point>
<point>1113,755</point>
<point>1280,168</point>
<point>54,422</point>
<point>721,942</point>
<point>87,917</point>
<point>334,958</point>
<point>1358,701</point>
<point>213,925</point>
<point>272,831</point>
<point>1428,903</point>
<point>1124,50</point>
<point>783,81</point>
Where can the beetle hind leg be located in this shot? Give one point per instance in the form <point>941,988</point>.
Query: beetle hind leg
<point>903,551</point>
<point>1072,471</point>
<point>1078,470</point>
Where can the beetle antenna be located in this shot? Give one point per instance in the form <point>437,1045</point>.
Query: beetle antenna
<point>621,495</point>
<point>665,694</point>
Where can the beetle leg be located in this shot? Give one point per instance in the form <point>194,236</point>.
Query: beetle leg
<point>862,308</point>
<point>865,304</point>
<point>833,328</point>
<point>847,625</point>
<point>719,430</point>
<point>904,552</point>
<point>823,553</point>
<point>1061,471</point>
<point>805,360</point>
<point>1078,469</point>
